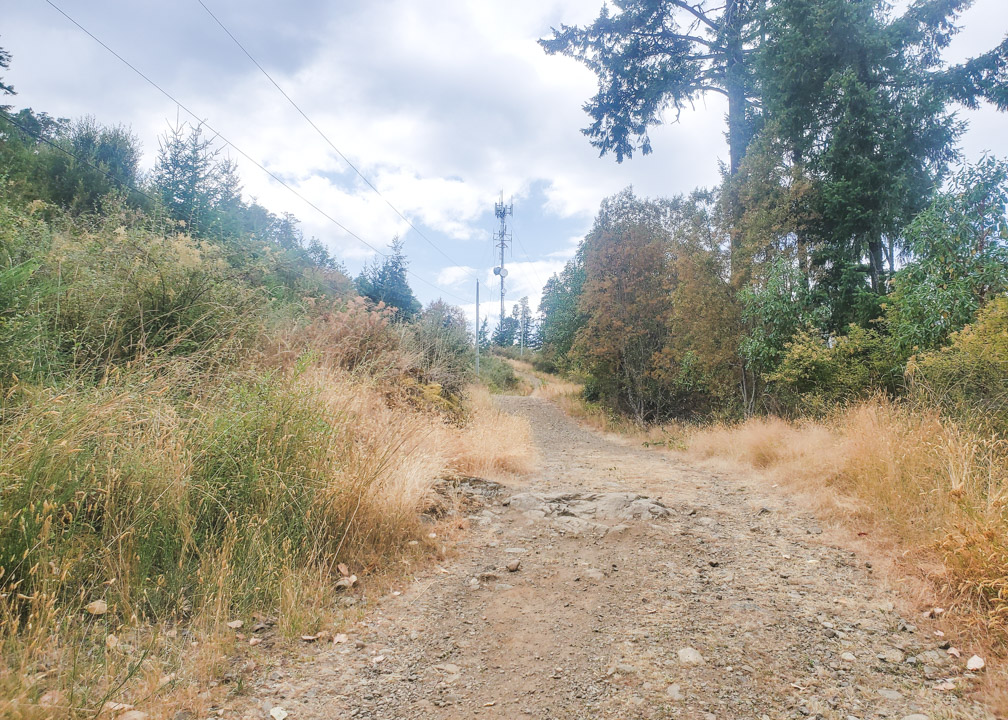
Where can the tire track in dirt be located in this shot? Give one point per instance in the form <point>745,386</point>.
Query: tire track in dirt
<point>647,588</point>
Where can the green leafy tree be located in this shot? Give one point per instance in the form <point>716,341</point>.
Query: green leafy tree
<point>386,282</point>
<point>23,151</point>
<point>957,259</point>
<point>653,56</point>
<point>98,160</point>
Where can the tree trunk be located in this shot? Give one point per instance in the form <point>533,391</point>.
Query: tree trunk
<point>738,135</point>
<point>875,262</point>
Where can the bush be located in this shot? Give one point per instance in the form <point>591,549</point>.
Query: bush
<point>969,378</point>
<point>348,334</point>
<point>815,375</point>
<point>959,259</point>
<point>128,292</point>
<point>444,349</point>
<point>497,374</point>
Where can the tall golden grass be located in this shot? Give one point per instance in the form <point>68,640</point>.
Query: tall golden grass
<point>138,521</point>
<point>938,490</point>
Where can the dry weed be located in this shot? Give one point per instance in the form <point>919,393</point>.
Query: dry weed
<point>935,489</point>
<point>182,515</point>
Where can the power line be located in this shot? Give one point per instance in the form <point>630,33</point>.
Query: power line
<point>330,142</point>
<point>241,152</point>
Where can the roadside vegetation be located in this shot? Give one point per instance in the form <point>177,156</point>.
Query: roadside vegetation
<point>203,421</point>
<point>834,315</point>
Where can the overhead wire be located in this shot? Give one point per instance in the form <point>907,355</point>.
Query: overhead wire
<point>241,152</point>
<point>330,142</point>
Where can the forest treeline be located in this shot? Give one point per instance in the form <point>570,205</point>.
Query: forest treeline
<point>848,250</point>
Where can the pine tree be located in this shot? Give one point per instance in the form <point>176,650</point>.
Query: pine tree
<point>386,282</point>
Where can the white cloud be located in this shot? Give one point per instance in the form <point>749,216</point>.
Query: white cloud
<point>440,106</point>
<point>456,276</point>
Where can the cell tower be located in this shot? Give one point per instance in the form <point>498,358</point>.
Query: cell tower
<point>502,238</point>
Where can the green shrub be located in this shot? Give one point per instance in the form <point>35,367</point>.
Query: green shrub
<point>969,378</point>
<point>815,375</point>
<point>497,374</point>
<point>959,259</point>
<point>444,349</point>
<point>125,293</point>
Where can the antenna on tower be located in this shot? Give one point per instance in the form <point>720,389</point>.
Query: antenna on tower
<point>502,238</point>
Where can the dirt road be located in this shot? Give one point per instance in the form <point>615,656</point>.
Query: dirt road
<point>645,588</point>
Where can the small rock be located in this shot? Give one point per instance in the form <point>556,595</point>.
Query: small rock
<point>346,582</point>
<point>278,713</point>
<point>672,692</point>
<point>690,656</point>
<point>889,694</point>
<point>513,565</point>
<point>848,657</point>
<point>235,624</point>
<point>98,607</point>
<point>891,655</point>
<point>133,715</point>
<point>916,716</point>
<point>975,663</point>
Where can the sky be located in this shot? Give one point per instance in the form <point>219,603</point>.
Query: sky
<point>442,106</point>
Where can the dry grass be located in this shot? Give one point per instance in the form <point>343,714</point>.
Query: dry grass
<point>492,444</point>
<point>934,491</point>
<point>182,515</point>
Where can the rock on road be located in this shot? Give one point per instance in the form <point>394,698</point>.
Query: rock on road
<point>620,582</point>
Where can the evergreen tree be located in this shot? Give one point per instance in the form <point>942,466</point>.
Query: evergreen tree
<point>506,333</point>
<point>186,175</point>
<point>653,56</point>
<point>860,102</point>
<point>5,58</point>
<point>386,282</point>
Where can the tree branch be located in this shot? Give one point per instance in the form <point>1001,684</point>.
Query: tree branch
<point>695,12</point>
